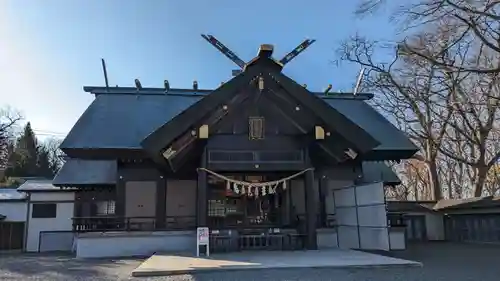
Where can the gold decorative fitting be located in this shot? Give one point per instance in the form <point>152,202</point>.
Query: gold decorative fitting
<point>297,108</point>
<point>169,153</point>
<point>257,166</point>
<point>193,133</point>
<point>319,133</point>
<point>203,132</point>
<point>351,153</point>
<point>224,107</point>
<point>328,134</point>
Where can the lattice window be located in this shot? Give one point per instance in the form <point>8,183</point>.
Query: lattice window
<point>216,208</point>
<point>105,208</point>
<point>256,128</point>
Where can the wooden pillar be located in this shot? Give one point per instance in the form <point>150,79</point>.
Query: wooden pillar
<point>311,210</point>
<point>202,193</point>
<point>322,189</point>
<point>120,197</point>
<point>161,203</point>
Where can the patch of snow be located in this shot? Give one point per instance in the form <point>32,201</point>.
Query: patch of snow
<point>11,194</point>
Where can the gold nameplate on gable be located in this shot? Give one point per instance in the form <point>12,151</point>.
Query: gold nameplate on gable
<point>319,133</point>
<point>256,128</point>
<point>203,132</point>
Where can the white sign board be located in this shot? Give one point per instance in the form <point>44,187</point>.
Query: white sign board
<point>202,239</point>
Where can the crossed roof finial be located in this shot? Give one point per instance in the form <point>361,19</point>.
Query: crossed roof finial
<point>265,51</point>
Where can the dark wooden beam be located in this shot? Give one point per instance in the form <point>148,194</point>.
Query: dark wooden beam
<point>311,208</point>
<point>302,124</point>
<point>335,145</point>
<point>323,192</point>
<point>181,123</point>
<point>120,196</point>
<point>161,202</point>
<point>192,153</point>
<point>186,143</point>
<point>202,194</point>
<point>361,139</point>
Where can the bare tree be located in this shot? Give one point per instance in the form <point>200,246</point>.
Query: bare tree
<point>415,181</point>
<point>472,22</point>
<point>51,145</point>
<point>476,122</point>
<point>9,118</point>
<point>411,92</point>
<point>461,40</point>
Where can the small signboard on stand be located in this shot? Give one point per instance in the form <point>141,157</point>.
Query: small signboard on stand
<point>202,241</point>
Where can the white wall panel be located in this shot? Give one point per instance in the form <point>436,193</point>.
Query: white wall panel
<point>62,222</point>
<point>368,194</point>
<point>372,216</point>
<point>345,197</point>
<point>348,237</point>
<point>14,211</point>
<point>362,217</point>
<point>347,216</point>
<point>374,238</point>
<point>52,196</point>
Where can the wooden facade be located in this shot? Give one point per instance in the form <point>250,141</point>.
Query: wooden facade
<point>260,123</point>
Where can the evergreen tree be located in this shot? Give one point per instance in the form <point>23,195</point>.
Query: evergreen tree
<point>31,158</point>
<point>27,152</point>
<point>45,166</point>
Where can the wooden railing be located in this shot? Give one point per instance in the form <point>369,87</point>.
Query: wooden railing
<point>322,221</point>
<point>268,241</point>
<point>107,223</point>
<point>271,221</point>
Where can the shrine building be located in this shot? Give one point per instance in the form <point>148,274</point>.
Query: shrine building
<point>261,161</point>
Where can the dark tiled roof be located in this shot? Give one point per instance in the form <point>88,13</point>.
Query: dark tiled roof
<point>444,204</point>
<point>123,120</point>
<point>86,172</point>
<point>390,137</point>
<point>37,185</point>
<point>468,203</point>
<point>379,171</point>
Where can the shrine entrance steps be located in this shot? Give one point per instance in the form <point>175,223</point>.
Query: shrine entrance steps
<point>168,264</point>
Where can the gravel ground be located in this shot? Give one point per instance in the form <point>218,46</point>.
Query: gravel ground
<point>442,261</point>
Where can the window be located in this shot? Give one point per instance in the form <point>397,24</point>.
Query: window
<point>45,210</point>
<point>256,128</point>
<point>105,208</point>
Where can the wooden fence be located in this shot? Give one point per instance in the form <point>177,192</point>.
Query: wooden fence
<point>11,235</point>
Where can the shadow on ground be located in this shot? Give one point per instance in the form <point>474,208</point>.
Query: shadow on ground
<point>442,261</point>
<point>60,265</point>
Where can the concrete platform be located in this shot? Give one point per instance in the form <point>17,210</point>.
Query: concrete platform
<point>168,264</point>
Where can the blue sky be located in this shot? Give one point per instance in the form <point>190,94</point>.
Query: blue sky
<point>50,49</point>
